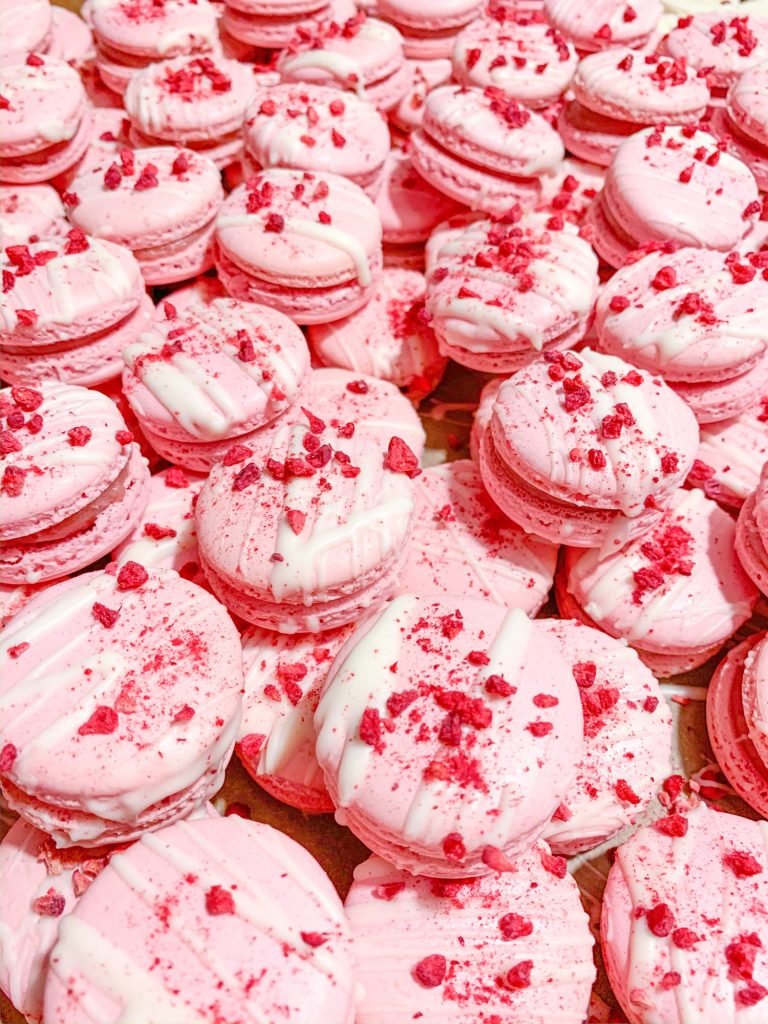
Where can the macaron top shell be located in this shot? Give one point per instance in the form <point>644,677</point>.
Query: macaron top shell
<point>252,930</point>
<point>487,123</point>
<point>604,23</point>
<point>215,370</point>
<point>691,314</point>
<point>524,56</point>
<point>623,84</point>
<point>28,210</point>
<point>423,752</point>
<point>424,75</point>
<point>354,55</point>
<point>26,27</point>
<point>156,195</point>
<point>190,99</point>
<point>463,544</point>
<point>678,587</point>
<point>145,28</point>
<point>429,15</point>
<point>71,459</point>
<point>747,103</point>
<point>473,933</point>
<point>311,126</point>
<point>724,45</point>
<point>644,436</point>
<point>117,694</point>
<point>73,285</point>
<point>676,184</point>
<point>712,881</point>
<point>409,207</point>
<point>298,229</point>
<point>43,105</point>
<point>327,534</point>
<point>754,695</point>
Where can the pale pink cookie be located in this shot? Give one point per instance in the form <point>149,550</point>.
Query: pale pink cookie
<point>111,135</point>
<point>741,146</point>
<point>618,90</point>
<point>330,486</point>
<point>520,54</point>
<point>429,30</point>
<point>203,289</point>
<point>722,45</point>
<point>735,708</point>
<point>283,679</point>
<point>695,317</point>
<point>201,380</point>
<point>252,930</point>
<point>73,484</point>
<point>512,947</point>
<point>159,202</point>
<point>463,544</point>
<point>482,149</point>
<point>389,338</point>
<point>604,23</point>
<point>500,292</point>
<point>29,212</point>
<point>684,927</point>
<point>448,231</point>
<point>731,455</point>
<point>121,699</point>
<point>423,76</point>
<point>586,450</point>
<point>673,185</point>
<point>45,120</point>
<point>483,416</point>
<point>40,885</point>
<point>308,245</point>
<point>410,209</point>
<point>165,536</point>
<point>69,306</point>
<point>272,24</point>
<point>27,28</point>
<point>129,36</point>
<point>71,38</point>
<point>676,594</point>
<point>448,733</point>
<point>312,128</point>
<point>743,124</point>
<point>571,189</point>
<point>364,55</point>
<point>628,735</point>
<point>198,102</point>
<point>752,533</point>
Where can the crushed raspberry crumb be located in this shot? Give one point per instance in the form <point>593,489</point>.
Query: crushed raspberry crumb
<point>742,864</point>
<point>371,727</point>
<point>514,926</point>
<point>685,938</point>
<point>497,686</point>
<point>557,866</point>
<point>236,454</point>
<point>400,458</point>
<point>102,722</point>
<point>625,793</point>
<point>660,920</point>
<point>176,477</point>
<point>219,901</point>
<point>519,976</point>
<point>296,520</point>
<point>50,905</point>
<point>430,972</point>
<point>131,576</point>
<point>106,616</point>
<point>8,757</point>
<point>453,846</point>
<point>79,436</point>
<point>156,532</point>
<point>124,437</point>
<point>248,475</point>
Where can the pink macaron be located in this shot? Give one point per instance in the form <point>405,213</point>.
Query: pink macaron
<point>165,536</point>
<point>604,23</point>
<point>202,289</point>
<point>751,153</point>
<point>483,149</point>
<point>571,189</point>
<point>312,128</point>
<point>423,75</point>
<point>129,36</point>
<point>628,737</point>
<point>198,102</point>
<point>27,28</point>
<point>520,54</point>
<point>693,316</point>
<point>364,55</point>
<point>389,338</point>
<point>448,733</point>
<point>73,484</point>
<point>586,450</point>
<point>721,45</point>
<point>210,376</point>
<point>513,947</point>
<point>463,544</point>
<point>271,24</point>
<point>283,679</point>
<point>45,120</point>
<point>69,306</point>
<point>752,533</point>
<point>672,185</point>
<point>307,525</point>
<point>160,202</point>
<point>308,245</point>
<point>684,922</point>
<point>29,212</point>
<point>500,292</point>
<point>482,416</point>
<point>410,209</point>
<point>735,708</point>
<point>429,30</point>
<point>743,123</point>
<point>676,594</point>
<point>730,457</point>
<point>71,38</point>
<point>217,919</point>
<point>111,135</point>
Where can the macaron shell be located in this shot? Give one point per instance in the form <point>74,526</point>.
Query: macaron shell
<point>157,32</point>
<point>724,58</point>
<point>46,104</point>
<point>721,400</point>
<point>409,207</point>
<point>71,38</point>
<point>590,136</point>
<point>584,24</point>
<point>423,75</point>
<point>27,210</point>
<point>26,27</point>
<point>730,457</point>
<point>747,103</point>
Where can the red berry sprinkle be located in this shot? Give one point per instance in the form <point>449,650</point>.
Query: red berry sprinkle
<point>314,939</point>
<point>124,437</point>
<point>514,926</point>
<point>106,616</point>
<point>176,477</point>
<point>27,399</point>
<point>400,458</point>
<point>102,722</point>
<point>295,519</point>
<point>79,436</point>
<point>625,793</point>
<point>131,576</point>
<point>519,976</point>
<point>50,905</point>
<point>430,972</point>
<point>685,938</point>
<point>742,864</point>
<point>7,757</point>
<point>371,727</point>
<point>660,920</point>
<point>247,477</point>
<point>674,825</point>
<point>219,901</point>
